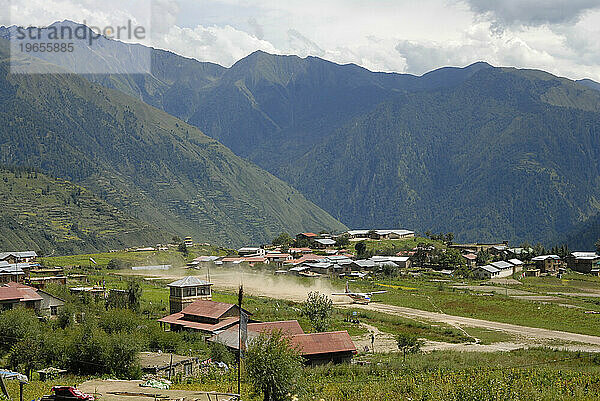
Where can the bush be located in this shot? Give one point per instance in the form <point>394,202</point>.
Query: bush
<point>66,316</point>
<point>115,264</point>
<point>93,351</point>
<point>220,353</point>
<point>134,294</point>
<point>273,366</point>
<point>119,320</point>
<point>317,308</point>
<point>408,344</point>
<point>16,325</point>
<point>164,341</point>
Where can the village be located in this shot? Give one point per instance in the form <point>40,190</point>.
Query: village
<point>223,329</point>
<point>313,255</point>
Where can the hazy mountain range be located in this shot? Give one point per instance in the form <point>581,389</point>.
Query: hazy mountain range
<point>487,153</point>
<point>143,161</point>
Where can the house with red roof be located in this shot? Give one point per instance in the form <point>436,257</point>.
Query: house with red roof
<point>470,259</point>
<point>315,348</point>
<point>323,348</point>
<point>208,317</point>
<point>14,295</point>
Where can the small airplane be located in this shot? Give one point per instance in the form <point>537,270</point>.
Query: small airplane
<point>359,297</point>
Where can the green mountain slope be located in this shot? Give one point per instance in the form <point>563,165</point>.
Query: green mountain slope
<point>583,236</point>
<point>267,108</point>
<point>479,151</point>
<point>145,162</point>
<point>507,154</point>
<point>487,153</point>
<point>53,215</point>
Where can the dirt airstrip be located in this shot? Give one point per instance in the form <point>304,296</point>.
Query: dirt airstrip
<point>296,289</point>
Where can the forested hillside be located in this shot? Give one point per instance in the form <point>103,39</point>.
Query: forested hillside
<point>145,162</point>
<point>508,154</point>
<point>51,215</point>
<point>487,153</point>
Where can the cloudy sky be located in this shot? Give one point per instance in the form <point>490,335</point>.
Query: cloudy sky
<point>559,36</point>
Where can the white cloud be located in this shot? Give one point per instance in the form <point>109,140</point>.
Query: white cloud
<point>383,35</point>
<point>223,45</point>
<point>533,12</point>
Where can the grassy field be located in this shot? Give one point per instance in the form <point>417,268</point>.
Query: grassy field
<point>155,297</point>
<point>535,374</point>
<point>424,294</point>
<point>36,388</point>
<point>131,258</point>
<point>420,293</point>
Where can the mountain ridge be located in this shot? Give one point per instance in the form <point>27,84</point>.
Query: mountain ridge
<point>281,111</point>
<point>146,162</point>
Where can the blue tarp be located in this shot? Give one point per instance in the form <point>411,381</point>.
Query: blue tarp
<point>7,374</point>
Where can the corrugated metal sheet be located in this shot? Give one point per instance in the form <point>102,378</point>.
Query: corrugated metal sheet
<point>323,343</point>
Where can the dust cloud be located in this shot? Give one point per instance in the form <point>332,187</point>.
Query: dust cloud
<point>255,282</point>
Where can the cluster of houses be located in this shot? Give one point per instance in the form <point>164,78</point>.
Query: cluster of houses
<point>14,266</point>
<point>360,235</point>
<point>192,308</point>
<point>322,257</point>
<point>307,262</point>
<point>19,289</point>
<point>514,260</point>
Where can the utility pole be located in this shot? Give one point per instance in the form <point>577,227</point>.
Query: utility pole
<point>239,375</point>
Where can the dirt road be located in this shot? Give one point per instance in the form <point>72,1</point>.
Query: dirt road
<point>130,390</point>
<point>522,331</point>
<point>295,289</point>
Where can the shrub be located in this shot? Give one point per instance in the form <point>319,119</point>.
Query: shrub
<point>16,325</point>
<point>317,308</point>
<point>273,366</point>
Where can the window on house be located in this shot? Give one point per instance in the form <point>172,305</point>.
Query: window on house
<point>53,310</point>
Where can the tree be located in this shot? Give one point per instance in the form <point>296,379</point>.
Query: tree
<point>183,249</point>
<point>463,271</point>
<point>451,258</point>
<point>220,353</point>
<point>66,316</point>
<point>390,269</point>
<point>361,248</point>
<point>114,264</point>
<point>119,321</point>
<point>134,294</point>
<point>302,243</point>
<point>92,351</point>
<point>17,324</point>
<point>317,308</point>
<point>448,238</point>
<point>408,344</point>
<point>26,355</point>
<point>538,250</point>
<point>342,240</point>
<point>483,257</point>
<point>273,366</point>
<point>283,239</point>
